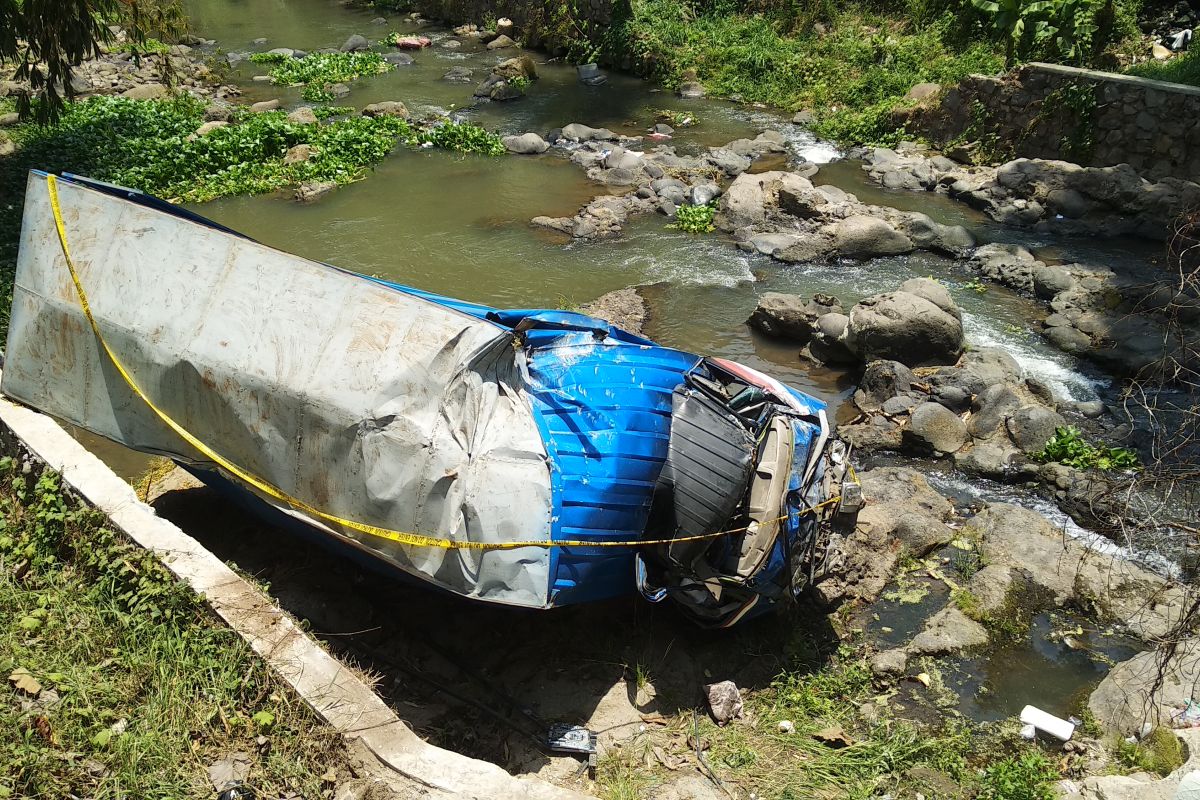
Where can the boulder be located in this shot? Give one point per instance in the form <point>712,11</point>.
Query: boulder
<point>881,381</point>
<point>387,108</point>
<point>308,192</point>
<point>500,42</point>
<point>625,308</point>
<point>992,407</point>
<point>1127,696</point>
<point>459,75</point>
<point>787,316</point>
<point>525,144</point>
<point>867,237</point>
<point>412,42</point>
<point>519,67</point>
<point>948,631</point>
<point>575,132</point>
<point>265,105</point>
<point>728,161</point>
<point>208,128</point>
<point>302,116</point>
<point>907,326</point>
<point>355,43</point>
<point>923,91</point>
<point>147,91</point>
<point>218,112</point>
<point>937,428</point>
<point>299,154</point>
<point>1032,426</point>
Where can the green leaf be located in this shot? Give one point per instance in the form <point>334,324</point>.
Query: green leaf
<point>263,719</point>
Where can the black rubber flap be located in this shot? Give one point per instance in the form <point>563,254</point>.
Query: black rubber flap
<point>708,467</point>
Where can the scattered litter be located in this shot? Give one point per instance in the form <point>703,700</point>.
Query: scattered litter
<point>786,726</point>
<point>237,791</point>
<point>1178,41</point>
<point>1047,723</point>
<point>669,761</point>
<point>834,737</point>
<point>724,701</point>
<point>1028,733</point>
<point>923,679</point>
<point>1147,729</point>
<point>1187,717</point>
<point>564,738</point>
<point>24,682</point>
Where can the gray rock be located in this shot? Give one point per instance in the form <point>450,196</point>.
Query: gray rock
<point>948,631</point>
<point>866,237</point>
<point>459,75</point>
<point>724,701</point>
<point>1069,340</point>
<point>400,59</point>
<point>526,144</point>
<point>575,132</point>
<point>1123,701</point>
<point>1049,281</point>
<point>992,407</point>
<point>807,247</point>
<point>355,43</point>
<point>147,91</point>
<point>620,158</point>
<point>308,192</point>
<point>881,381</point>
<point>906,327</point>
<point>728,161</point>
<point>804,118</point>
<point>302,116</point>
<point>265,105</point>
<point>691,90</point>
<point>782,316</point>
<point>989,459</point>
<point>937,428</point>
<point>500,42</point>
<point>1032,426</point>
<point>625,308</point>
<point>704,193</point>
<point>387,108</point>
<point>889,663</point>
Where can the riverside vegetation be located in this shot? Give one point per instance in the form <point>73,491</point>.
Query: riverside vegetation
<point>123,683</point>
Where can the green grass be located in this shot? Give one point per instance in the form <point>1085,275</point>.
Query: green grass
<point>1161,752</point>
<point>150,688</point>
<point>1181,69</point>
<point>853,77</point>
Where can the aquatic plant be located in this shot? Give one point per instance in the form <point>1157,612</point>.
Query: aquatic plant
<point>316,71</point>
<point>461,136</point>
<point>1068,447</point>
<point>694,219</point>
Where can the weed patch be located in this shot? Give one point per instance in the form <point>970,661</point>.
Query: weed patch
<point>1068,447</point>
<point>317,71</point>
<point>128,688</point>
<point>694,219</point>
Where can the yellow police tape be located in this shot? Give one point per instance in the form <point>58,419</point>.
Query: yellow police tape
<point>414,539</point>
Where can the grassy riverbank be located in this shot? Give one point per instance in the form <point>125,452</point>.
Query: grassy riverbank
<point>118,682</point>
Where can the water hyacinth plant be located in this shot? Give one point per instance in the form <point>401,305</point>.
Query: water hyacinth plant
<point>316,71</point>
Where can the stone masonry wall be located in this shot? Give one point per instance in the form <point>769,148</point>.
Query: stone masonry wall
<point>1034,112</point>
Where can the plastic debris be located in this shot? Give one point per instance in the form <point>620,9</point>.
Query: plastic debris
<point>1047,723</point>
<point>786,726</point>
<point>1028,732</point>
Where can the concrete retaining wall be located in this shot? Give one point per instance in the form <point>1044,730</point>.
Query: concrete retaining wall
<point>1151,125</point>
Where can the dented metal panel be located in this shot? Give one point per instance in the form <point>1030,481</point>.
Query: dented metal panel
<point>372,404</point>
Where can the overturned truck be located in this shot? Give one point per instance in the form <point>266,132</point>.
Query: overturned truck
<point>529,457</point>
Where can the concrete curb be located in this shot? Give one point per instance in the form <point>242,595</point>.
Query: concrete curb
<point>335,693</point>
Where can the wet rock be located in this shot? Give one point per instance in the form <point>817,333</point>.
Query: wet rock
<point>459,75</point>
<point>704,193</point>
<point>560,224</point>
<point>947,632</point>
<point>992,407</point>
<point>387,108</point>
<point>728,161</point>
<point>308,192</point>
<point>302,116</point>
<point>519,67</point>
<point>147,91</point>
<point>937,428</point>
<point>867,237</point>
<point>804,118</point>
<point>355,43</point>
<point>789,316</point>
<point>919,324</point>
<point>724,701</point>
<point>625,308</point>
<point>526,144</point>
<point>881,381</point>
<point>339,89</point>
<point>889,663</point>
<point>691,90</point>
<point>576,132</point>
<point>399,59</point>
<point>989,459</point>
<point>1032,426</point>
<point>954,240</point>
<point>1069,340</point>
<point>500,42</point>
<point>1124,700</point>
<point>265,105</point>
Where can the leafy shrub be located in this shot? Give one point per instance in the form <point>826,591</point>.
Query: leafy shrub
<point>1068,447</point>
<point>317,70</point>
<point>1029,776</point>
<point>694,219</point>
